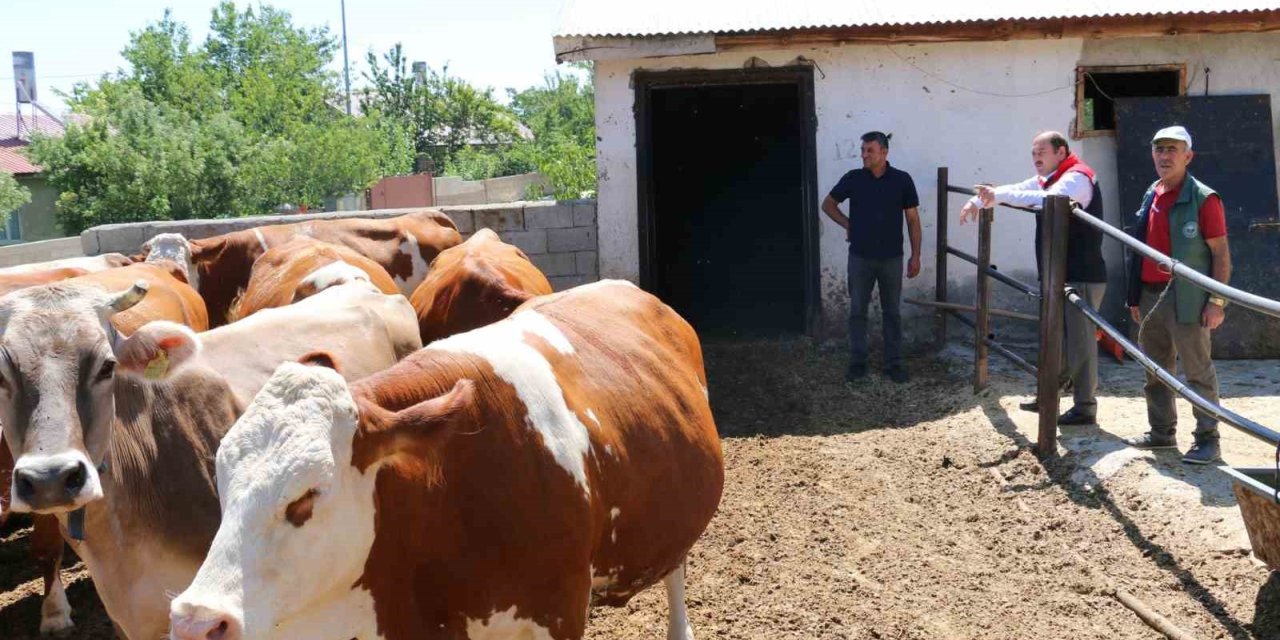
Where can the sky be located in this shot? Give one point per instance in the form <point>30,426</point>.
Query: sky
<point>493,43</point>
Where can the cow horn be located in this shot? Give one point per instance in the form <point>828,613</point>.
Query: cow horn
<point>127,299</point>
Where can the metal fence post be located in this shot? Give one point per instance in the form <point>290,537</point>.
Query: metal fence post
<point>1055,214</point>
<point>982,302</point>
<point>940,257</point>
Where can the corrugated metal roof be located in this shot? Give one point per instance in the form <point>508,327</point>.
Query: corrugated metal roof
<point>672,17</point>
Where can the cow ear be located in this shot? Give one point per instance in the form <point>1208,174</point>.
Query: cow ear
<point>157,350</point>
<point>320,359</point>
<point>417,431</point>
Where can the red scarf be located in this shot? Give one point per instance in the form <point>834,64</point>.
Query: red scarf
<point>1070,163</point>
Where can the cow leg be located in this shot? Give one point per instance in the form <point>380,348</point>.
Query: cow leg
<point>47,547</point>
<point>678,627</point>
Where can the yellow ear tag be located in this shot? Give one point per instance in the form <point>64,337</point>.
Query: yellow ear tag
<point>158,366</point>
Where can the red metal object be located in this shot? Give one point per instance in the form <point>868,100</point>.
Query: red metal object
<point>398,192</point>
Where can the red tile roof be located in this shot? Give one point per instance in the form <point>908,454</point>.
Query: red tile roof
<point>12,160</point>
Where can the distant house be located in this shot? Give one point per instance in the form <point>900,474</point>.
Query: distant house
<point>35,220</point>
<point>723,123</point>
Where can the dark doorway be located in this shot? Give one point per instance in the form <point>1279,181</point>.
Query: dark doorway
<point>728,203</point>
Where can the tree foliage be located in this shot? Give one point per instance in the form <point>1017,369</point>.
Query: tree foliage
<point>239,125</point>
<point>441,114</point>
<point>465,131</point>
<point>12,196</point>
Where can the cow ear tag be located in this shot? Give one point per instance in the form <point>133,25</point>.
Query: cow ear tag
<point>157,367</point>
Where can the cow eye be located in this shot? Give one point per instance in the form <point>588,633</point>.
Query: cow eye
<point>107,370</point>
<point>299,511</point>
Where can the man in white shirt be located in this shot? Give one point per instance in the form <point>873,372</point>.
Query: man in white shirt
<point>1060,172</point>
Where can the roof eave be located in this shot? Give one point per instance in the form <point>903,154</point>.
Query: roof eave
<point>615,46</point>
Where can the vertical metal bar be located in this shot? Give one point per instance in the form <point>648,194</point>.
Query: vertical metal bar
<point>1053,247</point>
<point>940,257</point>
<point>346,66</point>
<point>982,302</point>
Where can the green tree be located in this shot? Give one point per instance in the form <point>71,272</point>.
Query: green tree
<point>12,196</point>
<point>243,123</point>
<point>443,115</point>
<point>561,115</point>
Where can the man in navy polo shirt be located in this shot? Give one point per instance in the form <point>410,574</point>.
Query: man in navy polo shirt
<point>879,197</point>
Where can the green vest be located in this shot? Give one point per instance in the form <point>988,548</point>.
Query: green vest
<point>1188,246</point>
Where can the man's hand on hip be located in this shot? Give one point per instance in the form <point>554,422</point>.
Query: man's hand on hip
<point>913,266</point>
<point>1135,314</point>
<point>1212,316</point>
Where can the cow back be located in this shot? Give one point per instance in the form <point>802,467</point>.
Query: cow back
<point>168,297</point>
<point>279,277</point>
<point>10,282</point>
<point>404,246</point>
<point>475,284</point>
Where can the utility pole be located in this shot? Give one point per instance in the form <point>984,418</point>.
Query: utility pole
<point>346,65</point>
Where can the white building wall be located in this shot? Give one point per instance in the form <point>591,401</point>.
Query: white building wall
<point>973,107</point>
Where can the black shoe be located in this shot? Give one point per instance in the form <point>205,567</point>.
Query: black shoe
<point>1032,406</point>
<point>1149,440</point>
<point>1074,417</point>
<point>1204,451</point>
<point>856,372</point>
<point>898,374</point>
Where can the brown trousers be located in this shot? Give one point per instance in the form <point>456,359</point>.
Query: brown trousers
<point>1167,342</point>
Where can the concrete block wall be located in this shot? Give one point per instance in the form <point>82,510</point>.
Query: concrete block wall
<point>43,251</point>
<point>560,237</point>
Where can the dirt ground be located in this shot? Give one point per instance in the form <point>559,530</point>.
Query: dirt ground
<point>918,511</point>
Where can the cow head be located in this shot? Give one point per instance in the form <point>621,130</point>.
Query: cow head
<point>174,247</point>
<point>57,371</point>
<point>331,275</point>
<point>296,479</point>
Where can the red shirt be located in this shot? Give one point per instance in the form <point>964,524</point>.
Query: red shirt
<point>1213,224</point>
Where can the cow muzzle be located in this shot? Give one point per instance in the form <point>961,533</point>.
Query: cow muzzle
<point>53,484</point>
<point>197,622</point>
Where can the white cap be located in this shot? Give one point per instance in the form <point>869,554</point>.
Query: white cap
<point>1173,133</point>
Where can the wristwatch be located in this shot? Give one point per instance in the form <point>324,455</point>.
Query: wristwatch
<point>1221,302</point>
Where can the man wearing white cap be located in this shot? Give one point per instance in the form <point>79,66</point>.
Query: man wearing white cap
<point>1061,172</point>
<point>1185,219</point>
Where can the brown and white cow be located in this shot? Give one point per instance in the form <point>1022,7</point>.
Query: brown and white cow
<point>303,267</point>
<point>88,264</point>
<point>138,454</point>
<point>476,283</point>
<point>493,485</point>
<point>404,246</point>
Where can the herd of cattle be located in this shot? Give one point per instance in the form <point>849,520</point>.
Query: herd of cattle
<point>244,437</point>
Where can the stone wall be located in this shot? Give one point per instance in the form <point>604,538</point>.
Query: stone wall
<point>560,237</point>
<point>43,251</point>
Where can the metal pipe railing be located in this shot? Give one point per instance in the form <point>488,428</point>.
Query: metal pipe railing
<point>995,346</point>
<point>971,192</point>
<point>1024,288</point>
<point>1226,415</point>
<point>1243,298</point>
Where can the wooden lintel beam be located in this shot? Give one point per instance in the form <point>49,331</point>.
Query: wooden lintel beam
<point>999,30</point>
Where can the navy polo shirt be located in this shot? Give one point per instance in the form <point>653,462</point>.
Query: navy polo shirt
<point>875,210</point>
